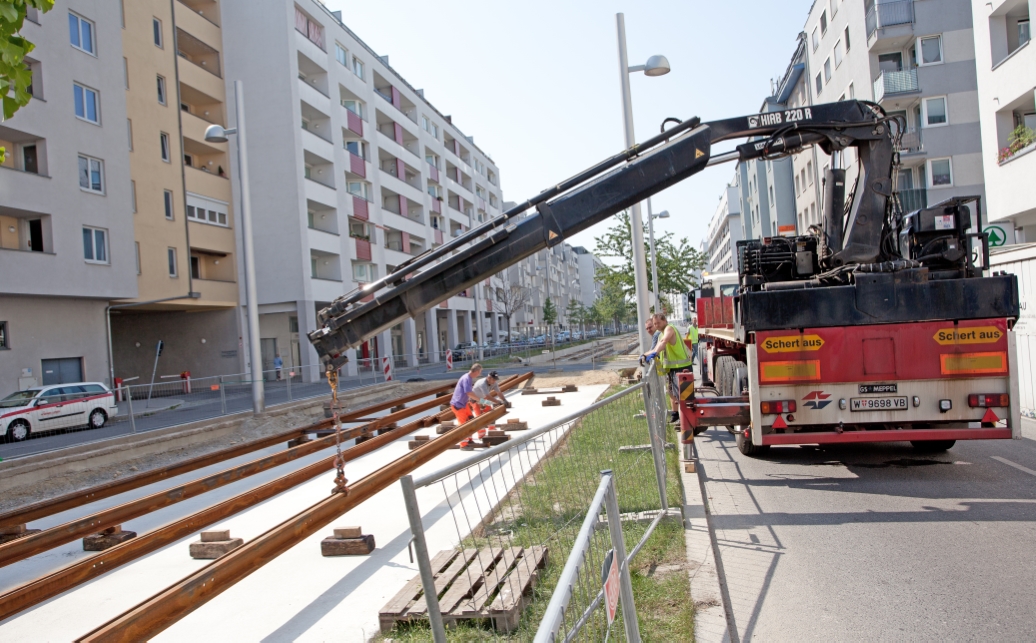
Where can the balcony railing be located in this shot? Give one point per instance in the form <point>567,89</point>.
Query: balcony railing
<point>911,142</point>
<point>912,200</point>
<point>895,82</point>
<point>887,14</point>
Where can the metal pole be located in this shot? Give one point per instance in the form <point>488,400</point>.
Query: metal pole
<point>291,370</point>
<point>654,261</point>
<point>431,596</point>
<point>252,302</point>
<point>129,398</point>
<point>478,324</point>
<point>636,222</point>
<point>222,395</point>
<point>154,370</point>
<point>629,610</point>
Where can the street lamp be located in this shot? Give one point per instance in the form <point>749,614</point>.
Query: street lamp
<point>655,66</point>
<point>218,134</point>
<point>664,214</point>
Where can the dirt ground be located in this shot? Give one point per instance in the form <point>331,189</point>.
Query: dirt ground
<point>251,429</point>
<point>547,380</point>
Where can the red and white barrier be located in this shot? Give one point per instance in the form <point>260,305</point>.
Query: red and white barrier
<point>386,368</point>
<point>449,360</point>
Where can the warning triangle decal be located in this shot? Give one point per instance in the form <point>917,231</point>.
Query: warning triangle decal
<point>698,154</point>
<point>552,235</point>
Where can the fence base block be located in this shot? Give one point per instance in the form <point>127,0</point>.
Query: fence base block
<point>213,550</point>
<point>360,546</point>
<point>107,539</point>
<point>14,532</point>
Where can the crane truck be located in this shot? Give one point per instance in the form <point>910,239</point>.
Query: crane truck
<point>877,325</point>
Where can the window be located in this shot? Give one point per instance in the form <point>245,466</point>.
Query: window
<point>167,202</point>
<point>163,140</point>
<point>358,148</point>
<point>86,101</point>
<point>354,106</point>
<point>5,342</point>
<point>195,267</point>
<point>365,272</point>
<point>809,172</point>
<point>91,174</point>
<point>771,196</point>
<point>129,133</point>
<point>341,55</point>
<point>940,172</point>
<point>133,195</point>
<point>852,91</point>
<point>816,38</point>
<point>95,245</point>
<point>358,67</point>
<point>802,176</point>
<point>823,22</point>
<point>156,28</point>
<point>360,189</point>
<point>136,250</point>
<point>1024,32</point>
<point>846,36</point>
<point>797,184</point>
<point>171,255</point>
<point>125,72</point>
<point>813,211</point>
<point>161,90</point>
<point>827,70</point>
<point>429,126</point>
<point>934,112</point>
<point>931,50</point>
<point>206,211</point>
<point>838,53</point>
<point>81,33</point>
<point>309,28</point>
<point>820,84</point>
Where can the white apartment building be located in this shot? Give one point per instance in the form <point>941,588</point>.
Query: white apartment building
<point>66,215</point>
<point>915,58</point>
<point>1006,63</point>
<point>590,270</point>
<point>353,173</point>
<point>724,230</point>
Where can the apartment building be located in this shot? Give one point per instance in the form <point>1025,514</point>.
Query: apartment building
<point>915,58</point>
<point>1005,61</point>
<point>724,230</point>
<point>590,270</point>
<point>183,220</point>
<point>66,221</point>
<point>767,202</point>
<point>354,172</point>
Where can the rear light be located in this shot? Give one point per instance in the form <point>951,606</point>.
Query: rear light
<point>983,400</point>
<point>783,406</point>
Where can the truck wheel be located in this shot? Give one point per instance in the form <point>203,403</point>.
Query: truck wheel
<point>725,375</point>
<point>932,446</point>
<point>745,446</point>
<point>740,378</point>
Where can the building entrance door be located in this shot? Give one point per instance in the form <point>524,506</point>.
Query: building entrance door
<point>268,348</point>
<point>62,370</point>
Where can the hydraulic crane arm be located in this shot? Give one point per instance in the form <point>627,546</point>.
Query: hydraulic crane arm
<point>596,194</point>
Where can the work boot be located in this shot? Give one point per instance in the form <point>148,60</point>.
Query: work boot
<point>467,445</point>
<point>674,416</point>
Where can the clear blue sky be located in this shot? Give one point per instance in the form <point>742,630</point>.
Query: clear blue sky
<point>536,83</point>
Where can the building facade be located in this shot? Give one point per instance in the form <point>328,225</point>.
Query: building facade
<point>66,222</point>
<point>1005,61</point>
<point>720,245</point>
<point>591,270</point>
<point>358,174</point>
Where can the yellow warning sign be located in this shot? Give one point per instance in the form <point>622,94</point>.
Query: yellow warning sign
<point>698,154</point>
<point>551,235</point>
<point>792,343</point>
<point>972,335</point>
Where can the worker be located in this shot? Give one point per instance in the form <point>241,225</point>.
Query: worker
<point>463,397</point>
<point>692,338</point>
<point>487,391</point>
<point>675,359</point>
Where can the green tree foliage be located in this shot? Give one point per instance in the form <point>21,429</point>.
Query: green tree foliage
<point>577,313</point>
<point>677,261</point>
<point>15,76</point>
<point>550,312</point>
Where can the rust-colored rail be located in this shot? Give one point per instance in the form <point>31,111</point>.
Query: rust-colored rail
<point>167,607</point>
<point>38,510</point>
<point>42,589</point>
<point>22,548</point>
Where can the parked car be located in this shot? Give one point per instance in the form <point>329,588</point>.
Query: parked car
<point>465,351</point>
<point>59,406</point>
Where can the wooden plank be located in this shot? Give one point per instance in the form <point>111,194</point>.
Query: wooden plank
<point>406,596</point>
<point>493,580</point>
<point>469,580</point>
<point>520,580</point>
<point>442,581</point>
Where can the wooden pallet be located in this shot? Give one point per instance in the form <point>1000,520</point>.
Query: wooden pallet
<point>492,584</point>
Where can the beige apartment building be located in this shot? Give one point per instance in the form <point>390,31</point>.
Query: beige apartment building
<point>183,220</point>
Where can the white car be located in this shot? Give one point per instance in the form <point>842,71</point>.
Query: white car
<point>59,406</point>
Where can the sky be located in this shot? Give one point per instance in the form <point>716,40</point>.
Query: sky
<point>536,82</point>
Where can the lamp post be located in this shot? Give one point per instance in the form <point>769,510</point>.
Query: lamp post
<point>664,214</point>
<point>217,134</point>
<point>655,66</point>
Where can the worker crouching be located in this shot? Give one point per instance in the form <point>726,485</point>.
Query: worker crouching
<point>472,397</point>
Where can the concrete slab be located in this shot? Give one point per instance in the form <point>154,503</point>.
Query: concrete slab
<point>299,596</point>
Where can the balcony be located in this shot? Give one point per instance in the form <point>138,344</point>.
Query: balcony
<point>325,265</point>
<point>911,142</point>
<point>894,83</point>
<point>883,15</point>
<point>314,76</point>
<point>216,292</point>
<point>321,217</point>
<point>911,200</point>
<point>207,9</point>
<point>194,50</point>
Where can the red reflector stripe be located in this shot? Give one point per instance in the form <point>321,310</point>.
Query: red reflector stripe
<point>972,363</point>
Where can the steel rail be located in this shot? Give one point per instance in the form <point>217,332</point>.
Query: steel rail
<point>39,542</point>
<point>45,508</point>
<point>170,605</point>
<point>44,588</point>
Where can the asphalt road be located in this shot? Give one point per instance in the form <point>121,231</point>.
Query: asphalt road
<point>876,542</point>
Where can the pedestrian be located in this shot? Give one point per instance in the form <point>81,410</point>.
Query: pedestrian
<point>278,364</point>
<point>462,395</point>
<point>675,359</point>
<point>692,337</point>
<point>487,390</point>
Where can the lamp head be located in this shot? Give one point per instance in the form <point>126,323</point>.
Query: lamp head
<point>656,66</point>
<point>217,134</point>
<point>664,214</point>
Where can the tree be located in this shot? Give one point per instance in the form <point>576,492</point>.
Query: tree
<point>15,76</point>
<point>513,299</point>
<point>677,261</point>
<point>613,304</point>
<point>550,313</point>
<point>577,313</point>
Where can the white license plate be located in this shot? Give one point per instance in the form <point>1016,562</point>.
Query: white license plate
<point>878,404</point>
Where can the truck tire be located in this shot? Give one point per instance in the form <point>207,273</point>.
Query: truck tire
<point>740,378</point>
<point>932,446</point>
<point>745,446</point>
<point>725,375</point>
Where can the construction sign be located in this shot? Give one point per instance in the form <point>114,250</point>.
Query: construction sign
<point>792,343</point>
<point>610,577</point>
<point>970,335</point>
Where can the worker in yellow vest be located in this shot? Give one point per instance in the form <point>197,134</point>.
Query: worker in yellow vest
<point>675,358</point>
<point>692,339</point>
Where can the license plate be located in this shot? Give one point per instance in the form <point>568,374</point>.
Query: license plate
<point>878,404</point>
